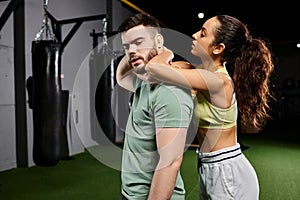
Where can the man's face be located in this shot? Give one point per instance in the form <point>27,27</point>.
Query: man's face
<point>140,46</point>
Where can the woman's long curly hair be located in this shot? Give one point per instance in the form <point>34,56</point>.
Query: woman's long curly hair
<point>250,62</point>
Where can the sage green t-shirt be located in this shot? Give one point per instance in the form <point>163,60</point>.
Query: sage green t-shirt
<point>153,106</point>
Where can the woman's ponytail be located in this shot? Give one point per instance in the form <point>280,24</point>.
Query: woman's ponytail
<point>251,77</point>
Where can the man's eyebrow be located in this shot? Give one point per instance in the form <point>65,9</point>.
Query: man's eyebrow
<point>133,41</point>
<point>136,39</point>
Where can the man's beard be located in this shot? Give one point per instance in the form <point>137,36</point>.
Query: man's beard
<point>141,70</point>
<point>151,54</point>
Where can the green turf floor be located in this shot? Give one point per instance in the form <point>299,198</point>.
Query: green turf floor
<point>275,159</point>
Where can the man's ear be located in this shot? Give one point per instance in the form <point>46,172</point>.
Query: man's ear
<point>219,48</point>
<point>159,41</point>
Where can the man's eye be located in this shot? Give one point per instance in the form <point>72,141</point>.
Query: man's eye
<point>138,43</point>
<point>126,46</point>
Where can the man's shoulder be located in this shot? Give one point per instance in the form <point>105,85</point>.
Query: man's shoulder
<point>168,91</point>
<point>174,87</point>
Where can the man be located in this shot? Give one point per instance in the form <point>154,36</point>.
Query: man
<point>157,126</point>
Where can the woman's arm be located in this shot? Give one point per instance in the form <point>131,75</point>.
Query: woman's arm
<point>182,73</point>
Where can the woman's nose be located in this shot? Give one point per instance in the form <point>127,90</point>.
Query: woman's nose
<point>194,36</point>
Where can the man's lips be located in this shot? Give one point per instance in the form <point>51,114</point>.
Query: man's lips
<point>135,60</point>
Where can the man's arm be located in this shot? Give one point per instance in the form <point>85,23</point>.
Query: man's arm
<point>170,144</point>
<point>125,75</point>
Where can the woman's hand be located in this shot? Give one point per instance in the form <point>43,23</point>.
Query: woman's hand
<point>169,55</point>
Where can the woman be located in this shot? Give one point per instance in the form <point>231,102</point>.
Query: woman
<point>224,172</point>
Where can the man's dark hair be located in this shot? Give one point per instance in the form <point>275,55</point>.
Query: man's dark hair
<point>139,19</point>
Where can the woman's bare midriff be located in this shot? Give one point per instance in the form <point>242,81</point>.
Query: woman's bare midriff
<point>215,139</point>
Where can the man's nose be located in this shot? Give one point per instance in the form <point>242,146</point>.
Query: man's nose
<point>131,54</point>
<point>132,48</point>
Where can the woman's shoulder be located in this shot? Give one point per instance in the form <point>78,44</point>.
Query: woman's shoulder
<point>182,64</point>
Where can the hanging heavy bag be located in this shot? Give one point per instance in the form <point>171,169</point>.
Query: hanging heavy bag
<point>64,149</point>
<point>103,104</point>
<point>47,102</point>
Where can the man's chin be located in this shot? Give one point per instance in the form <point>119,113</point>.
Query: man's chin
<point>140,71</point>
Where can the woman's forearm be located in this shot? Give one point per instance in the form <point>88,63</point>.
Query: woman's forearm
<point>182,73</point>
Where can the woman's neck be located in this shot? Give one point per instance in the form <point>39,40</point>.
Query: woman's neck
<point>212,66</point>
<point>218,66</point>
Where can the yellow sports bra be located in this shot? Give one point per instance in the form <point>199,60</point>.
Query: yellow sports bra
<point>212,117</point>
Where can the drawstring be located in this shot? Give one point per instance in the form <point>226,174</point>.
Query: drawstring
<point>199,161</point>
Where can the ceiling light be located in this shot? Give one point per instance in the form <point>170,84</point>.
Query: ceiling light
<point>201,15</point>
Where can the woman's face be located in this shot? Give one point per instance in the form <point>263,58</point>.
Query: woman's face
<point>204,37</point>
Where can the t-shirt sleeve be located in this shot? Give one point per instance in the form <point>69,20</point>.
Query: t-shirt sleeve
<point>173,108</point>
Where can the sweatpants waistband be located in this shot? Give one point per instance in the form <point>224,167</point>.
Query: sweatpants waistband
<point>219,155</point>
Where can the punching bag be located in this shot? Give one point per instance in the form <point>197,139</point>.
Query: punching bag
<point>47,102</point>
<point>103,103</point>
